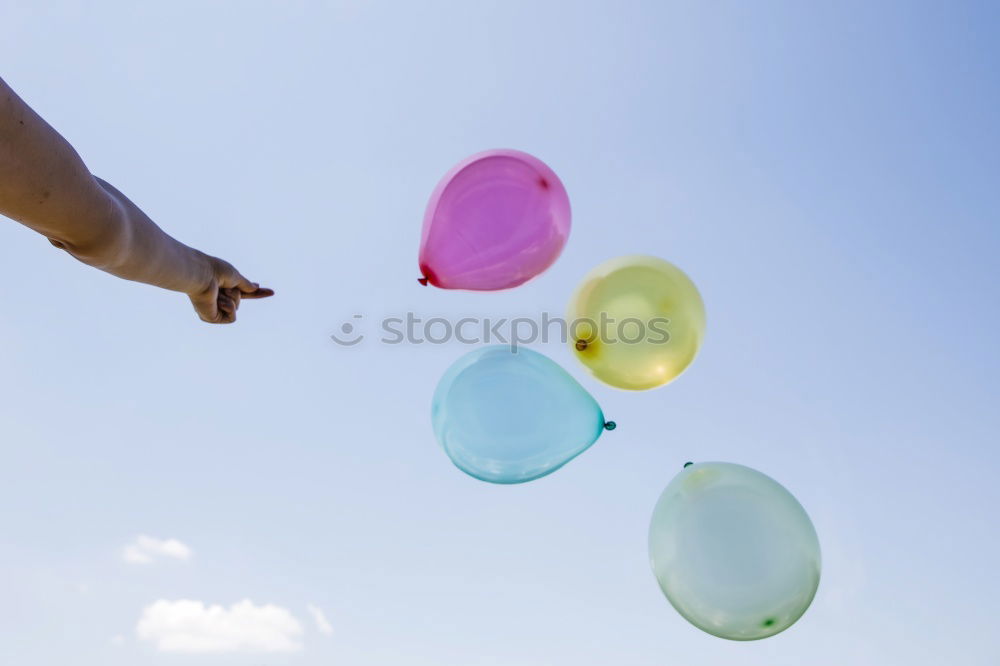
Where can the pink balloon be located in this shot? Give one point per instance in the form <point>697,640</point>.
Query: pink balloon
<point>496,220</point>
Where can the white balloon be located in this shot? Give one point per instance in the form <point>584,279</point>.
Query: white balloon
<point>734,552</point>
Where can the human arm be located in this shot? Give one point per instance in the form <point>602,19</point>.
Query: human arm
<point>45,185</point>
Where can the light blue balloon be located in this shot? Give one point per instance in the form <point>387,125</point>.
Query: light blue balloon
<point>510,417</point>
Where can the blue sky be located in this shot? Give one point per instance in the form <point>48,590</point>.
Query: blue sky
<point>825,173</point>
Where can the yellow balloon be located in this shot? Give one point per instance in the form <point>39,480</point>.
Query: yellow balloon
<point>636,322</point>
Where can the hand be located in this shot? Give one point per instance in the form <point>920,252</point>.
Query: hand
<point>217,303</point>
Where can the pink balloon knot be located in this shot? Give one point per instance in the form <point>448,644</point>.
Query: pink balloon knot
<point>422,280</point>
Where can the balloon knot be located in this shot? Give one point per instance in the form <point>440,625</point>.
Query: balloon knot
<point>687,464</point>
<point>581,345</point>
<point>610,425</point>
<point>422,280</point>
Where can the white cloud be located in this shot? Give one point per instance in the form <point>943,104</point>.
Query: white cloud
<point>319,617</point>
<point>146,550</point>
<point>193,627</point>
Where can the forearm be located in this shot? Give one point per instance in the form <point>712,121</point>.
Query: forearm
<point>139,250</point>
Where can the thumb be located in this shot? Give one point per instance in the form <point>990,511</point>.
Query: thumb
<point>253,290</point>
<point>234,279</point>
